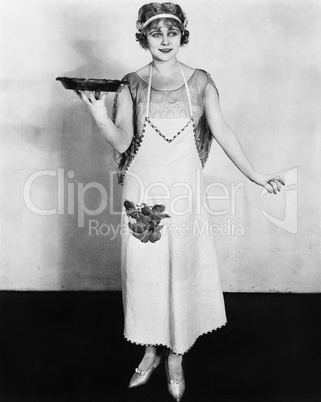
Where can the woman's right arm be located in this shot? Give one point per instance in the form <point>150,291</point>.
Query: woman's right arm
<point>120,134</point>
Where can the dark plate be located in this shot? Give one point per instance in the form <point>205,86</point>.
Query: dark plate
<point>91,84</point>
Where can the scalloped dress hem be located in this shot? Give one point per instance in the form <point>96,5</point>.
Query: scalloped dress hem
<point>167,346</point>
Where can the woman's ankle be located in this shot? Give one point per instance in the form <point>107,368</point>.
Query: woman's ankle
<point>148,358</point>
<point>174,362</point>
<point>175,359</point>
<point>150,351</point>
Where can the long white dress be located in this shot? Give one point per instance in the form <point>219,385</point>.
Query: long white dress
<point>171,289</point>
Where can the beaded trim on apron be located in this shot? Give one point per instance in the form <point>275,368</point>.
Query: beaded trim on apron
<point>147,119</point>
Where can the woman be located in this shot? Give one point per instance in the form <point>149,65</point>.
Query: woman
<point>171,287</point>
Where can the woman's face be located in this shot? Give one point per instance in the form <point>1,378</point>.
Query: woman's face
<point>163,42</point>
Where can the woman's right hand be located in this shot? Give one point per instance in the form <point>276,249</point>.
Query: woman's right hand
<point>119,134</point>
<point>95,101</point>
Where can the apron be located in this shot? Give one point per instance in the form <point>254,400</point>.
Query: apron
<point>171,289</point>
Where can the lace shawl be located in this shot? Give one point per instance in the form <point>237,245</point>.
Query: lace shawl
<point>166,104</point>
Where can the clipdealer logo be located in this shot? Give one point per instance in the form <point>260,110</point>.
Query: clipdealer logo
<point>70,197</point>
<point>60,205</point>
<point>290,221</point>
<point>76,192</point>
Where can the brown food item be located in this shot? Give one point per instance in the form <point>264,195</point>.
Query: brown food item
<point>147,226</point>
<point>155,235</point>
<point>158,208</point>
<point>152,225</point>
<point>145,219</point>
<point>136,227</point>
<point>146,211</point>
<point>91,84</point>
<point>129,205</point>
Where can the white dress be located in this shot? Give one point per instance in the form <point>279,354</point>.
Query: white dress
<point>171,289</point>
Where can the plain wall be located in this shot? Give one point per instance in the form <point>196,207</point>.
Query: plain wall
<point>265,59</point>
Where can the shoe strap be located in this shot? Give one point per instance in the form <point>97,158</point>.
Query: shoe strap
<point>143,372</point>
<point>176,381</point>
<point>140,371</point>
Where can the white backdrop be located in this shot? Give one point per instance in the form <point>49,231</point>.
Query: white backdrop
<point>265,59</point>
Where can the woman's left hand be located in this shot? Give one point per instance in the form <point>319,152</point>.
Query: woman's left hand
<point>271,183</point>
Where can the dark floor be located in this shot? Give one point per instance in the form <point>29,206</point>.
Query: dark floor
<point>68,346</point>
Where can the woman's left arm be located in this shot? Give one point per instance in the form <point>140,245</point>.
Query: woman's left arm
<point>229,142</point>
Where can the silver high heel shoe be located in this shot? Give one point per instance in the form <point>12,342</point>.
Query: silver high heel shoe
<point>176,386</point>
<point>140,377</point>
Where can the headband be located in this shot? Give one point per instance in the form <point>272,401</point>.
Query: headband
<point>141,26</point>
<point>155,17</point>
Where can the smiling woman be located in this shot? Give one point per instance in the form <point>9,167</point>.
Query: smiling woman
<point>146,19</point>
<point>162,129</point>
<point>163,42</point>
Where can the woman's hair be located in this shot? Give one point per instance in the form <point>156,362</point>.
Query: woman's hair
<point>149,10</point>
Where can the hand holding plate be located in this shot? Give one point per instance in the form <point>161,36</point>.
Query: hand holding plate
<point>97,107</point>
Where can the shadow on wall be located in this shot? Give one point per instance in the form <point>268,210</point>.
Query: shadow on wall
<point>90,244</point>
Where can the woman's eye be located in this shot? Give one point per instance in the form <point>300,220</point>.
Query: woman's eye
<point>157,34</point>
